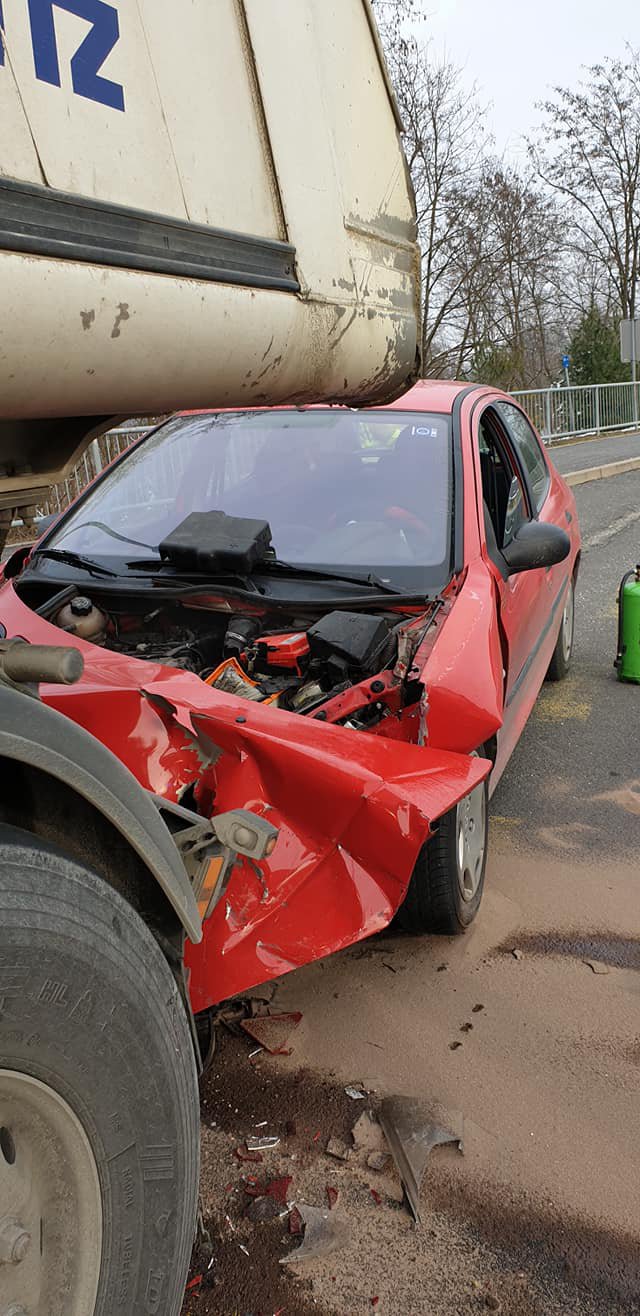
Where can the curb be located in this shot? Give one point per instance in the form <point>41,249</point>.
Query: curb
<point>602,472</point>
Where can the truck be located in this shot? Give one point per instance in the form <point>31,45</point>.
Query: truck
<point>202,205</point>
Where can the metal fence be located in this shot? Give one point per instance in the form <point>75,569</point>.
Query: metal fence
<point>557,413</point>
<point>564,413</point>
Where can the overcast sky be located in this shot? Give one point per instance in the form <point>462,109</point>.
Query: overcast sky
<point>516,49</point>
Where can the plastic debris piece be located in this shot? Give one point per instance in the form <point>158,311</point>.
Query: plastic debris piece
<point>261,1209</point>
<point>243,1249</point>
<point>272,1031</point>
<point>324,1232</point>
<point>367,1134</point>
<point>376,1196</point>
<point>194,1283</point>
<point>597,966</point>
<point>356,1094</point>
<point>253,1188</point>
<point>296,1223</point>
<point>374,1302</point>
<point>412,1129</point>
<point>332,1196</point>
<point>338,1149</point>
<point>262,1143</point>
<point>455,1046</point>
<point>253,1155</point>
<point>517,954</point>
<point>466,1028</point>
<point>378,1160</point>
<point>477,1008</point>
<point>317,1136</point>
<point>278,1189</point>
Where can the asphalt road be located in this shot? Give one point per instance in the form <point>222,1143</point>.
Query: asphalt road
<point>538,1052</point>
<point>577,456</point>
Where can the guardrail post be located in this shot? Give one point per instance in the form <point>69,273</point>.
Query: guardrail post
<point>95,455</point>
<point>596,407</point>
<point>547,413</point>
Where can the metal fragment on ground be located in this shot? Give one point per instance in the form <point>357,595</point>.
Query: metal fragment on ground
<point>272,1031</point>
<point>338,1149</point>
<point>263,1143</point>
<point>325,1231</point>
<point>412,1130</point>
<point>356,1094</point>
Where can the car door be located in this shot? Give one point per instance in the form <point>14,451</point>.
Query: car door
<point>524,600</point>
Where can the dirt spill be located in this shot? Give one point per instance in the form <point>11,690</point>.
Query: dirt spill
<point>551,1246</point>
<point>604,947</point>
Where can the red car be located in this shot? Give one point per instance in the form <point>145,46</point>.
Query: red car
<point>336,619</point>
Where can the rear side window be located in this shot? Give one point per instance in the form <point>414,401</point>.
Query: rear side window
<point>529,451</point>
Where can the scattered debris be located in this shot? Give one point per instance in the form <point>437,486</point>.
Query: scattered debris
<point>597,966</point>
<point>261,1209</point>
<point>296,1223</point>
<point>338,1149</point>
<point>477,1008</point>
<point>243,1249</point>
<point>367,1134</point>
<point>376,1196</point>
<point>378,1160</point>
<point>441,968</point>
<point>374,1302</point>
<point>332,1196</point>
<point>272,1031</point>
<point>356,1093</point>
<point>195,1283</point>
<point>245,1153</point>
<point>466,1028</point>
<point>325,1231</point>
<point>389,966</point>
<point>517,954</point>
<point>265,1143</point>
<point>455,1046</point>
<point>412,1130</point>
<point>278,1189</point>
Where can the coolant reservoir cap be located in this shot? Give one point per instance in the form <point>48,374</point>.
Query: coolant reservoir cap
<point>81,607</point>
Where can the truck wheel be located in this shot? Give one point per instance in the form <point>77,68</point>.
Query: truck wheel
<point>446,885</point>
<point>99,1145</point>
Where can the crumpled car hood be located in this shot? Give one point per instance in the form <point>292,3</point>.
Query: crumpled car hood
<point>353,812</point>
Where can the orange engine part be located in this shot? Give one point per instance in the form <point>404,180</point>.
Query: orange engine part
<point>285,650</point>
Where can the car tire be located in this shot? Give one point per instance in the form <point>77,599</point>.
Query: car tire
<point>561,660</point>
<point>99,1121</point>
<point>446,886</point>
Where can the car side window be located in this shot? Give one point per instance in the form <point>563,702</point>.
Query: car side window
<point>505,508</point>
<point>529,451</point>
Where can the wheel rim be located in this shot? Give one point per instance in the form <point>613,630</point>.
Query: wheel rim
<point>567,625</point>
<point>471,841</point>
<point>50,1203</point>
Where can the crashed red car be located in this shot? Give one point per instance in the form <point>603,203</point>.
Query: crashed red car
<point>338,620</point>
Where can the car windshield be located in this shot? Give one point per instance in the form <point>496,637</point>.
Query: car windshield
<point>342,490</point>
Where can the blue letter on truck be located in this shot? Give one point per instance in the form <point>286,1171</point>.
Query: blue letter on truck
<point>89,57</point>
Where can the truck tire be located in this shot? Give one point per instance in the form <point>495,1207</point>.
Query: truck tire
<point>99,1125</point>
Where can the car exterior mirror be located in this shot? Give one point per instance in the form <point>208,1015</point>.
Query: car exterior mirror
<point>537,544</point>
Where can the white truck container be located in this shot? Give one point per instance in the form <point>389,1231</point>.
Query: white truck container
<point>203,203</point>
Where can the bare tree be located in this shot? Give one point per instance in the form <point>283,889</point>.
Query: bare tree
<point>444,138</point>
<point>588,152</point>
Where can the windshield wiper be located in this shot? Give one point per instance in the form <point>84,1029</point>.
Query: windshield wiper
<point>72,559</point>
<point>275,565</point>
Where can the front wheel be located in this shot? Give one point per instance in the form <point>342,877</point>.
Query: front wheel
<point>98,1098</point>
<point>446,885</point>
<point>561,659</point>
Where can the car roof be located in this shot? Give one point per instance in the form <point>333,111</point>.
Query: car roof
<point>433,395</point>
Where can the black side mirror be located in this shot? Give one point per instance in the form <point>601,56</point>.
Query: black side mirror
<point>537,544</point>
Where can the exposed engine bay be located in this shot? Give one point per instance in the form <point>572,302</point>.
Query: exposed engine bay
<point>286,663</point>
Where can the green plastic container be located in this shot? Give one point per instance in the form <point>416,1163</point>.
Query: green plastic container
<point>628,656</point>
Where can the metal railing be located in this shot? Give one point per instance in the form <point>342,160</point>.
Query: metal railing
<point>567,412</point>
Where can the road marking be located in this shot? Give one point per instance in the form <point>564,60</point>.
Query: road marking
<point>616,528</point>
